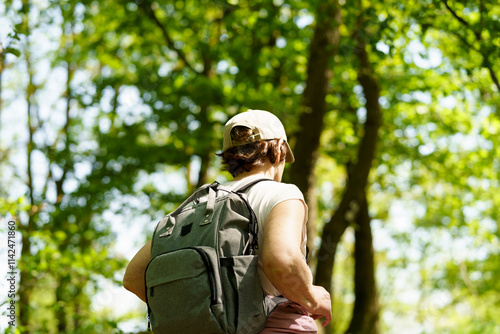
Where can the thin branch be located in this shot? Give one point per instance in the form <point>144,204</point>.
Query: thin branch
<point>31,89</point>
<point>493,75</point>
<point>146,7</point>
<point>481,12</point>
<point>461,20</point>
<point>486,61</point>
<point>463,40</point>
<point>68,94</point>
<point>467,281</point>
<point>225,12</point>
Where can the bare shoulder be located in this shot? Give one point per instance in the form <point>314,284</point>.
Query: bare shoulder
<point>278,189</point>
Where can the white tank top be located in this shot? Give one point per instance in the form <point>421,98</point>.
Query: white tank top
<point>263,197</point>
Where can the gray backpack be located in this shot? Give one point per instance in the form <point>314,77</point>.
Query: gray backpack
<point>202,277</point>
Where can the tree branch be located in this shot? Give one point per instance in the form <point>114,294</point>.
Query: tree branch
<point>463,40</point>
<point>146,7</point>
<point>486,61</point>
<point>492,73</point>
<point>461,20</point>
<point>481,11</point>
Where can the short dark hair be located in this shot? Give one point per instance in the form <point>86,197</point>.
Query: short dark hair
<point>243,158</point>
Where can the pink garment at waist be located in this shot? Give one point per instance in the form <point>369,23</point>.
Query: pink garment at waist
<point>289,317</point>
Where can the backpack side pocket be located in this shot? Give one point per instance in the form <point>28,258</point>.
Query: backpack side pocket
<point>251,316</point>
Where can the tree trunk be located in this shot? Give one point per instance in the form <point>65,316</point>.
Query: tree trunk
<point>323,48</point>
<point>27,281</point>
<point>354,207</point>
<point>63,297</point>
<point>366,308</point>
<point>62,302</point>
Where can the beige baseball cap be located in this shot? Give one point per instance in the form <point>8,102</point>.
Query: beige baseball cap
<point>264,126</point>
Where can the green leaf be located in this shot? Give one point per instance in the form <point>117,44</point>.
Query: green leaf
<point>13,51</point>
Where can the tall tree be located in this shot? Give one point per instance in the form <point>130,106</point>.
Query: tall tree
<point>353,208</point>
<point>58,227</point>
<point>27,281</point>
<point>365,317</point>
<point>324,45</point>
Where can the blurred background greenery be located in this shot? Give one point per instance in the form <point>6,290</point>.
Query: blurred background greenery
<point>112,112</point>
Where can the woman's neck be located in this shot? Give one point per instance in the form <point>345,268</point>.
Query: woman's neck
<point>267,170</point>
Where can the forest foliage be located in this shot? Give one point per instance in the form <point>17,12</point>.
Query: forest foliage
<point>112,112</point>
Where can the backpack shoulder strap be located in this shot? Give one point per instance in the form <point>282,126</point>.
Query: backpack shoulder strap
<point>248,184</point>
<point>253,227</point>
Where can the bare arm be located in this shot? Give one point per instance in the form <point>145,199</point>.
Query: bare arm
<point>133,280</point>
<point>284,263</point>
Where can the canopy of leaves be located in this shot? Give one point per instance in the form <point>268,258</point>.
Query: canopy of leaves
<point>113,111</point>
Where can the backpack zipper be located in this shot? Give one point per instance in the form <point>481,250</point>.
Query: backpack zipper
<point>211,275</point>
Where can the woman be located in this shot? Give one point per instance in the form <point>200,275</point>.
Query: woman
<point>255,146</point>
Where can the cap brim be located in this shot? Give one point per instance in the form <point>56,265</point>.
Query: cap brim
<point>289,155</point>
